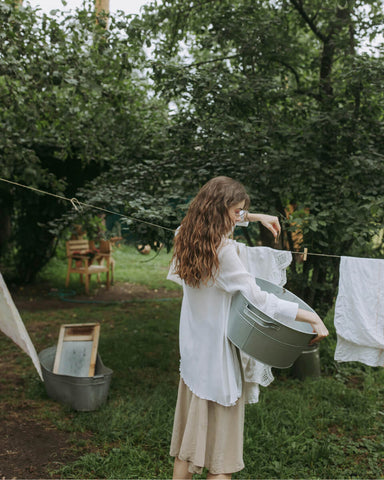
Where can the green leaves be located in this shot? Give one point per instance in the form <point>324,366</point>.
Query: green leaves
<point>276,95</point>
<point>71,107</point>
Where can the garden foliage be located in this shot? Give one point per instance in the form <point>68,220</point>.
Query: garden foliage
<point>285,96</point>
<point>74,101</point>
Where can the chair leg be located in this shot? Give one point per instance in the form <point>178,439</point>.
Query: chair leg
<point>112,271</point>
<point>87,284</point>
<point>68,273</point>
<point>108,278</point>
<point>99,261</point>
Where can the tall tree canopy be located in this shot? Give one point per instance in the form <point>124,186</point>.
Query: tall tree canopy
<point>282,96</point>
<point>73,102</point>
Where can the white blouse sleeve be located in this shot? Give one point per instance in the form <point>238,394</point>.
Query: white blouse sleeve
<point>233,277</point>
<point>173,276</point>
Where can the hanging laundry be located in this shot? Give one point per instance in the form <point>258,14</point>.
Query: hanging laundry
<point>271,265</point>
<point>359,311</point>
<point>12,325</point>
<point>265,262</point>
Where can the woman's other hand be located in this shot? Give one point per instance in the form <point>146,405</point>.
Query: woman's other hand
<point>269,221</point>
<point>317,324</point>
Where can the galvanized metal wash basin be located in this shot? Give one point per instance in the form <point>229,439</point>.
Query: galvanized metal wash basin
<point>275,343</point>
<point>80,393</point>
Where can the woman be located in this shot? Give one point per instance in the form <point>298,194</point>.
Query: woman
<point>209,417</point>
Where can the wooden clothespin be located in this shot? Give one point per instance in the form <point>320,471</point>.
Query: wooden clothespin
<point>305,254</point>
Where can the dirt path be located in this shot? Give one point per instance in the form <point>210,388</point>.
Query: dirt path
<point>33,298</point>
<point>31,448</point>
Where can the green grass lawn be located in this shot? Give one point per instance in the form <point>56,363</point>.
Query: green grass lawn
<point>131,266</point>
<point>328,427</point>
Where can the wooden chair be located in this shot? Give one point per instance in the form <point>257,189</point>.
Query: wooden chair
<point>105,250</point>
<point>116,241</point>
<point>81,260</point>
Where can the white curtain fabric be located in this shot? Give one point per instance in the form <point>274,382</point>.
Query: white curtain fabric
<point>12,325</point>
<point>359,311</point>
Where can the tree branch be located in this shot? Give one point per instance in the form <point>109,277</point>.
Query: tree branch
<point>213,60</point>
<point>291,69</point>
<point>298,5</point>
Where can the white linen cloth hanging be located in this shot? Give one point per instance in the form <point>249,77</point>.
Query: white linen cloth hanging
<point>265,262</point>
<point>359,311</point>
<point>209,364</point>
<point>12,325</point>
<point>268,264</point>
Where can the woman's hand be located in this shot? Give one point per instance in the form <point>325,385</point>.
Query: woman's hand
<point>317,324</point>
<point>269,221</point>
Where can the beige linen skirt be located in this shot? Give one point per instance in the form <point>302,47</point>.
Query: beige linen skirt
<point>207,434</point>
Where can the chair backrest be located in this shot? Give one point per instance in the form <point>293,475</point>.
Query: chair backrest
<point>76,246</point>
<point>105,246</point>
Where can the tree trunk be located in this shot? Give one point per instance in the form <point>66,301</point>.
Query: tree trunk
<point>102,12</point>
<point>102,6</point>
<point>5,228</point>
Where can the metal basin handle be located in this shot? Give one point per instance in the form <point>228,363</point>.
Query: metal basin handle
<point>260,321</point>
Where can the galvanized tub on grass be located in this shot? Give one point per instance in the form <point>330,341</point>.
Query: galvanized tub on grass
<point>275,343</point>
<point>81,393</point>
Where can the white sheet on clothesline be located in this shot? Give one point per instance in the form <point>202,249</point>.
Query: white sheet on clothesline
<point>12,325</point>
<point>359,311</point>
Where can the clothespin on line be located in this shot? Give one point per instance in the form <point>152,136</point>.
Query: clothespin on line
<point>305,254</point>
<point>76,204</point>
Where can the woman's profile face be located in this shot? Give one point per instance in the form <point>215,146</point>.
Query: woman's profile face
<point>234,212</point>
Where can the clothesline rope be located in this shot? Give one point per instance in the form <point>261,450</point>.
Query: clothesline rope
<point>316,254</point>
<point>77,205</point>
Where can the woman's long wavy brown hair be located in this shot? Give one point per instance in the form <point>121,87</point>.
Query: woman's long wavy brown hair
<point>203,228</point>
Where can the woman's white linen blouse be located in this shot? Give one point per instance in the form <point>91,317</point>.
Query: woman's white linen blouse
<point>209,362</point>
